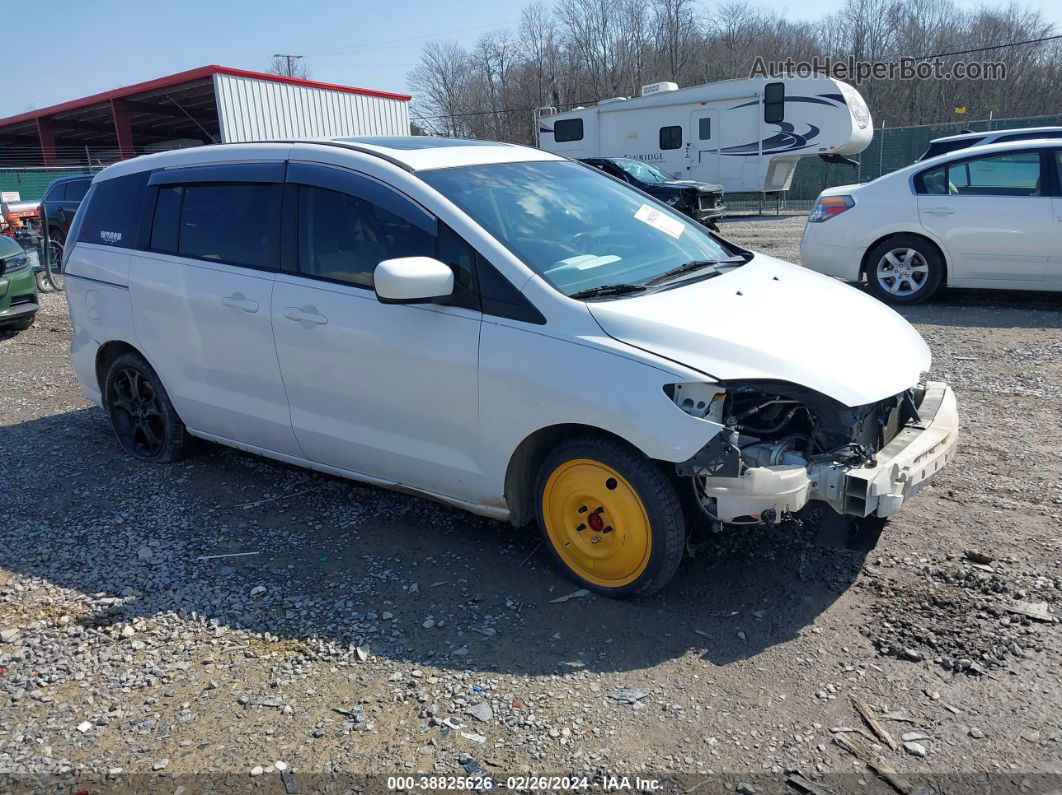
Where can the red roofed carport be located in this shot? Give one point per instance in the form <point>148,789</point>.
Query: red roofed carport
<point>190,108</point>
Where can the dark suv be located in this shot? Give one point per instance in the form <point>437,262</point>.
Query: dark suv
<point>701,201</point>
<point>60,203</point>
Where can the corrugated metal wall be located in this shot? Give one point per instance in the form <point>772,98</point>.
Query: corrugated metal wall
<point>259,110</point>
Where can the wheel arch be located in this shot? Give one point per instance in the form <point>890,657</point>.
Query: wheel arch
<point>523,465</point>
<point>865,263</point>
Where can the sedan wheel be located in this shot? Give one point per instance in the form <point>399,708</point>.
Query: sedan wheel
<point>902,272</point>
<point>904,269</point>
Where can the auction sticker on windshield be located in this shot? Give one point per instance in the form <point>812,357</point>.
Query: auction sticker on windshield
<point>657,220</point>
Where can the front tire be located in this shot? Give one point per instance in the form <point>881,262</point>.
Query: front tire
<point>904,269</point>
<point>143,417</point>
<point>610,516</point>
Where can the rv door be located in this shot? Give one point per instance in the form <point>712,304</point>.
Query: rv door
<point>704,144</point>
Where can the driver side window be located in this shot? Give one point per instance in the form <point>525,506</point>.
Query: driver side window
<point>343,238</point>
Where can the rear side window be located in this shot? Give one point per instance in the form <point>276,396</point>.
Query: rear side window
<point>568,130</point>
<point>773,103</point>
<point>237,223</point>
<point>671,137</point>
<point>113,214</point>
<point>75,191</point>
<point>343,238</point>
<point>1012,174</point>
<point>56,193</point>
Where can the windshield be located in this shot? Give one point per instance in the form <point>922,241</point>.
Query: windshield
<point>642,171</point>
<point>573,226</point>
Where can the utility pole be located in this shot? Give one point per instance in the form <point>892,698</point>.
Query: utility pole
<point>285,63</point>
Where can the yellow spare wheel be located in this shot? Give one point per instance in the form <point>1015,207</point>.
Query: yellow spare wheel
<point>610,515</point>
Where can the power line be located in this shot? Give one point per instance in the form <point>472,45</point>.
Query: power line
<point>992,47</point>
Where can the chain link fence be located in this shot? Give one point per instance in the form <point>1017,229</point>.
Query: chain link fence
<point>31,183</point>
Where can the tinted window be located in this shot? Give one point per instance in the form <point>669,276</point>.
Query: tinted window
<point>704,128</point>
<point>167,218</point>
<point>237,223</point>
<point>344,238</point>
<point>1014,174</point>
<point>568,130</point>
<point>56,193</point>
<point>75,191</point>
<point>773,102</point>
<point>670,137</point>
<point>111,218</point>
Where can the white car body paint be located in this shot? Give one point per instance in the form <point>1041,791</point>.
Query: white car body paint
<point>1003,242</point>
<point>436,398</point>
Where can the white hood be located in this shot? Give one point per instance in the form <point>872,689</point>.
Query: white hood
<point>770,319</point>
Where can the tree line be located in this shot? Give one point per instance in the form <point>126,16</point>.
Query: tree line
<point>579,51</point>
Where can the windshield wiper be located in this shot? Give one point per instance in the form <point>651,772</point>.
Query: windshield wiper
<point>608,289</point>
<point>684,268</point>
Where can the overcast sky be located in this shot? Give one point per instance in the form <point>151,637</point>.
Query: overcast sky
<point>81,48</point>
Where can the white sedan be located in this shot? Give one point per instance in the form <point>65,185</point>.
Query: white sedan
<point>986,216</point>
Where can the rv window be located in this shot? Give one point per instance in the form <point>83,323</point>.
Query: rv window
<point>773,103</point>
<point>568,130</point>
<point>670,137</point>
<point>704,128</point>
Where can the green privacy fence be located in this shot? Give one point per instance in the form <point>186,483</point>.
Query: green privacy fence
<point>32,182</point>
<point>891,148</point>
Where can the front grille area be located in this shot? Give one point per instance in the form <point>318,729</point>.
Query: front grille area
<point>708,202</point>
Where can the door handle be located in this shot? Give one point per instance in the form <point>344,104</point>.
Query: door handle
<point>241,302</point>
<point>939,210</point>
<point>305,314</point>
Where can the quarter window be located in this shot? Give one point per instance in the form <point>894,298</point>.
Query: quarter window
<point>671,137</point>
<point>167,219</point>
<point>774,103</point>
<point>235,223</point>
<point>568,130</point>
<point>1013,174</point>
<point>343,238</point>
<point>113,215</point>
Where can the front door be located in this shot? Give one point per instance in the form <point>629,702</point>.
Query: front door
<point>992,215</point>
<point>384,390</point>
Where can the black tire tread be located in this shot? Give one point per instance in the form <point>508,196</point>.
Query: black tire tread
<point>657,493</point>
<point>179,442</point>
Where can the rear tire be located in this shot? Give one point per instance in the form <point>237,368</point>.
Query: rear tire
<point>610,516</point>
<point>143,418</point>
<point>904,270</point>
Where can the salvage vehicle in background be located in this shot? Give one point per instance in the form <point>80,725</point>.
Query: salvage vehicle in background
<point>496,328</point>
<point>18,287</point>
<point>701,201</point>
<point>60,203</point>
<point>985,216</point>
<point>952,143</point>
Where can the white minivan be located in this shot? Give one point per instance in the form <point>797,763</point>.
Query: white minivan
<point>497,328</point>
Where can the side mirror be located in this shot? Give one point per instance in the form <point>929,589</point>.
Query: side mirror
<point>411,280</point>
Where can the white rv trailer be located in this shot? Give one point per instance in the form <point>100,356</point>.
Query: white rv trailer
<point>746,135</point>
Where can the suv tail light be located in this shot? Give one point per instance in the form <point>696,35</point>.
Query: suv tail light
<point>826,207</point>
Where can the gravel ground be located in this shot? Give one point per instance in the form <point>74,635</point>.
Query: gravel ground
<point>369,632</point>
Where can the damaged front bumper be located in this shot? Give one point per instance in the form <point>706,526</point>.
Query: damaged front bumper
<point>910,461</point>
<point>879,487</point>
